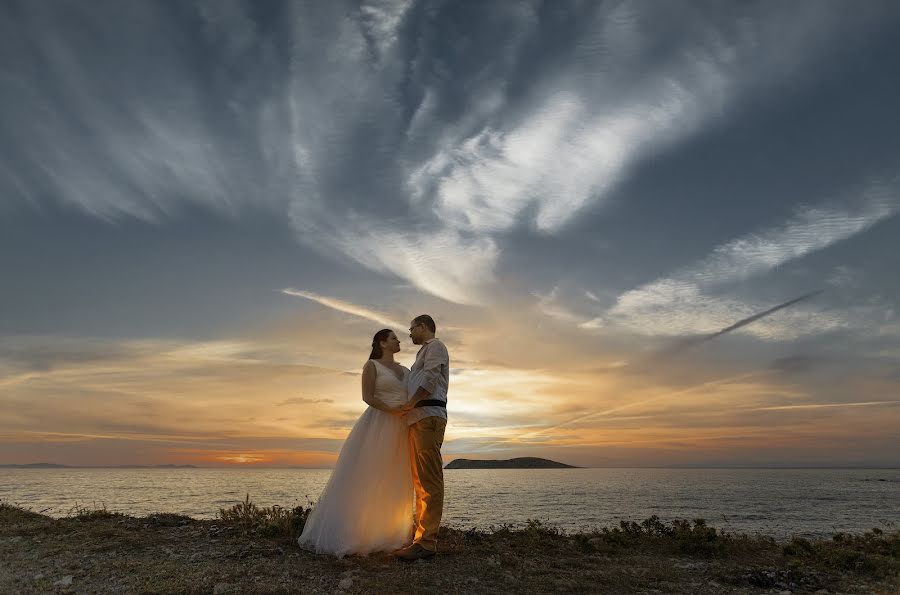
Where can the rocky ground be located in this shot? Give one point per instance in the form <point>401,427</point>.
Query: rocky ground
<point>101,552</point>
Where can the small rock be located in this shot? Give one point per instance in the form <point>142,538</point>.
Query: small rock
<point>65,581</point>
<point>345,583</point>
<point>221,588</point>
<point>785,592</point>
<point>713,584</point>
<point>38,576</point>
<point>15,539</point>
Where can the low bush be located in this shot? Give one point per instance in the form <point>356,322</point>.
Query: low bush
<point>273,521</point>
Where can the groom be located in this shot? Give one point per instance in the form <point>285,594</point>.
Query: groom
<point>427,418</point>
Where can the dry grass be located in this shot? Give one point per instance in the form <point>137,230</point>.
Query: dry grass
<point>267,522</point>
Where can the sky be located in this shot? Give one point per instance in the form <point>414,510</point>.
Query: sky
<point>208,208</point>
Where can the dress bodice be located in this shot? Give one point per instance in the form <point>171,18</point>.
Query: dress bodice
<point>388,387</point>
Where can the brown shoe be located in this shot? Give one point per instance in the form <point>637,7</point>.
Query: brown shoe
<point>413,553</point>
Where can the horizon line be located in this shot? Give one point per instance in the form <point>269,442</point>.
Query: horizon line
<point>191,466</point>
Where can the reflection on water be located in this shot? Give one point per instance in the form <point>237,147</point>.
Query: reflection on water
<point>779,502</point>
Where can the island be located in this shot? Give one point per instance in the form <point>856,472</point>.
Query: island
<point>519,463</point>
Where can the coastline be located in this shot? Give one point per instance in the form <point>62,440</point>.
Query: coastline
<point>780,504</point>
<point>252,550</point>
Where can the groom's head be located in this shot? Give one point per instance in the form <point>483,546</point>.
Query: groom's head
<point>421,329</point>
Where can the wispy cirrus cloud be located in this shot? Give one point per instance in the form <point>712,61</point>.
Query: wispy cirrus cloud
<point>809,230</point>
<point>684,302</point>
<point>212,394</point>
<point>386,147</point>
<point>549,305</point>
<point>577,134</point>
<point>93,127</point>
<point>830,405</point>
<point>343,306</point>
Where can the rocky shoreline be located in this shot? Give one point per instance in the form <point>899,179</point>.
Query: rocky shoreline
<point>243,552</point>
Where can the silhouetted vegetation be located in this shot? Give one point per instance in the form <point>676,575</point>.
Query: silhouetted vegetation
<point>267,522</point>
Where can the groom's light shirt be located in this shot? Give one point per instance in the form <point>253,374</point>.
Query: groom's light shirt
<point>432,372</point>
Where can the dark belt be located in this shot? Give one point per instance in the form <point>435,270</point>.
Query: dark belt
<point>431,403</point>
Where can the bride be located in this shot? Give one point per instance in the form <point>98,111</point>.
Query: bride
<point>367,504</point>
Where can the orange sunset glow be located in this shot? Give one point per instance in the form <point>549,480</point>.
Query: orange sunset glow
<point>265,399</point>
<point>649,237</point>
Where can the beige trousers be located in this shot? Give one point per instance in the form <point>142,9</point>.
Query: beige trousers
<point>425,439</point>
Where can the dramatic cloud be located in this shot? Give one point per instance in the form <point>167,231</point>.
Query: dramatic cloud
<point>386,146</point>
<point>567,187</point>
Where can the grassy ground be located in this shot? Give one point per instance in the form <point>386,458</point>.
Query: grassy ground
<point>252,550</point>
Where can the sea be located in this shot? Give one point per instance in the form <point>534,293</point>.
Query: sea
<point>777,502</point>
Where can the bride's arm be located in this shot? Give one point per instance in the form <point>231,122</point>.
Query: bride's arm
<point>368,389</point>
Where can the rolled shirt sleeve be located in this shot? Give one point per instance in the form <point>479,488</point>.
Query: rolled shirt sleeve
<point>434,366</point>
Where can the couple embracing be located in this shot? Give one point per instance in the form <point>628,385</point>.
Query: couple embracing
<point>393,449</point>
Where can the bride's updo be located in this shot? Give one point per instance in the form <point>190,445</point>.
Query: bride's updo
<point>380,336</point>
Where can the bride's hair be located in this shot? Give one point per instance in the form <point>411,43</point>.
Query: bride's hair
<point>380,336</point>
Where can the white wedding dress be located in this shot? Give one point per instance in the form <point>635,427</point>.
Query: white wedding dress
<point>367,504</point>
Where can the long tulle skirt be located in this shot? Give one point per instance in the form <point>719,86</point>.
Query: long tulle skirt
<point>367,504</point>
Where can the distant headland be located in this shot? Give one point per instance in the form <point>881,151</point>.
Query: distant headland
<point>519,463</point>
<point>58,466</point>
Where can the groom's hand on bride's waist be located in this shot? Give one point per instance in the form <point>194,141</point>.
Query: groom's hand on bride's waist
<point>420,395</point>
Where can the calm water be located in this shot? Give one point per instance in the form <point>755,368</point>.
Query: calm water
<point>779,502</point>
